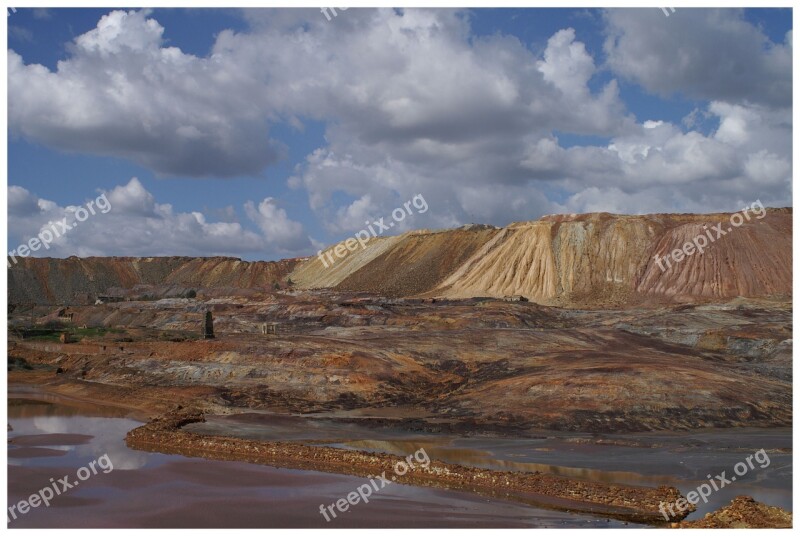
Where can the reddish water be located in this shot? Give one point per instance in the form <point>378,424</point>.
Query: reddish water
<point>676,459</point>
<point>53,437</point>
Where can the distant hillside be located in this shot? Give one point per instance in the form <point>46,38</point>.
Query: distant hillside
<point>593,259</point>
<point>74,280</point>
<point>575,260</point>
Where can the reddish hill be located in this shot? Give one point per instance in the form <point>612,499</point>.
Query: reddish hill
<point>576,260</point>
<point>598,260</point>
<point>74,280</point>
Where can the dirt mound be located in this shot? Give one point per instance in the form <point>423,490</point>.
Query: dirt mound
<point>591,260</point>
<point>426,259</point>
<point>753,260</point>
<point>743,513</point>
<point>76,281</point>
<point>578,260</point>
<point>332,270</point>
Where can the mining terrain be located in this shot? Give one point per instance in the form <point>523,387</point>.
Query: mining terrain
<point>561,327</point>
<point>476,365</point>
<point>577,261</point>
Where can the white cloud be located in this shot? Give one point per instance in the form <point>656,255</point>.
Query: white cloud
<point>278,229</point>
<point>21,202</point>
<point>661,168</point>
<point>702,53</point>
<point>415,103</point>
<point>19,33</point>
<point>137,225</point>
<point>123,93</point>
<point>42,13</point>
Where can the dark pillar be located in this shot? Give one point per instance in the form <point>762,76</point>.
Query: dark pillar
<point>208,326</point>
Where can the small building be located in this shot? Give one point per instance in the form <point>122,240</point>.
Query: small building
<point>65,338</point>
<point>108,299</point>
<point>515,298</point>
<point>269,329</point>
<point>65,315</point>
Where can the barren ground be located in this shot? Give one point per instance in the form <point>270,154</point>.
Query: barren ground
<point>474,366</point>
<point>478,366</point>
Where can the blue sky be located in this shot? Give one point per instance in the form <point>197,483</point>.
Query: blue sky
<point>67,177</point>
<point>293,131</point>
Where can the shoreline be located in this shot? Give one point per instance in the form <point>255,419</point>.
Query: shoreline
<point>624,502</point>
<point>635,504</point>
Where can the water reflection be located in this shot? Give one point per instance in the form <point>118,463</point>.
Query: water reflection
<point>52,438</point>
<point>677,459</point>
<point>87,438</point>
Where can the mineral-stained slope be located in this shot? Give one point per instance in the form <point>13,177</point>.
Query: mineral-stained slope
<point>591,259</point>
<point>550,260</point>
<point>315,273</point>
<point>424,258</point>
<point>752,260</point>
<point>597,260</point>
<point>75,280</point>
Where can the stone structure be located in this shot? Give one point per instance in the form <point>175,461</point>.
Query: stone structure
<point>269,329</point>
<point>64,315</point>
<point>208,326</point>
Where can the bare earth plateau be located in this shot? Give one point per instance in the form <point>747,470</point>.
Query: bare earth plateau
<point>549,367</point>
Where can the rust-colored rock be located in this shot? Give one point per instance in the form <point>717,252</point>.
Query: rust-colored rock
<point>81,281</point>
<point>577,261</point>
<point>743,512</point>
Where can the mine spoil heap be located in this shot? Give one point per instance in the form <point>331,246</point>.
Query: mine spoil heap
<point>568,260</point>
<point>569,323</point>
<point>629,503</point>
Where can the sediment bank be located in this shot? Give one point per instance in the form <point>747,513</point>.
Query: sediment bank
<point>743,512</point>
<point>629,503</point>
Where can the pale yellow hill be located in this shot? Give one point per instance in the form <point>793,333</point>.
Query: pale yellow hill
<point>313,274</point>
<point>574,260</point>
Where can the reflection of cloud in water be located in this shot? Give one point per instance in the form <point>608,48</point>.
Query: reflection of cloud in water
<point>53,425</point>
<point>107,437</point>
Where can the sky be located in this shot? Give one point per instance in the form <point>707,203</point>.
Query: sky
<point>272,133</point>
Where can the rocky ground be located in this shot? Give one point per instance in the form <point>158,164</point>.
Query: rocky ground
<point>415,332</point>
<point>743,512</point>
<point>466,366</point>
<point>479,366</point>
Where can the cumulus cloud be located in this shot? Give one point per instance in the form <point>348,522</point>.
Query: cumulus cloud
<point>21,202</point>
<point>661,168</point>
<point>278,229</point>
<point>415,103</point>
<point>712,54</point>
<point>123,93</point>
<point>137,225</point>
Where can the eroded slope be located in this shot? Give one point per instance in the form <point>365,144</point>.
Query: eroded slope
<point>577,260</point>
